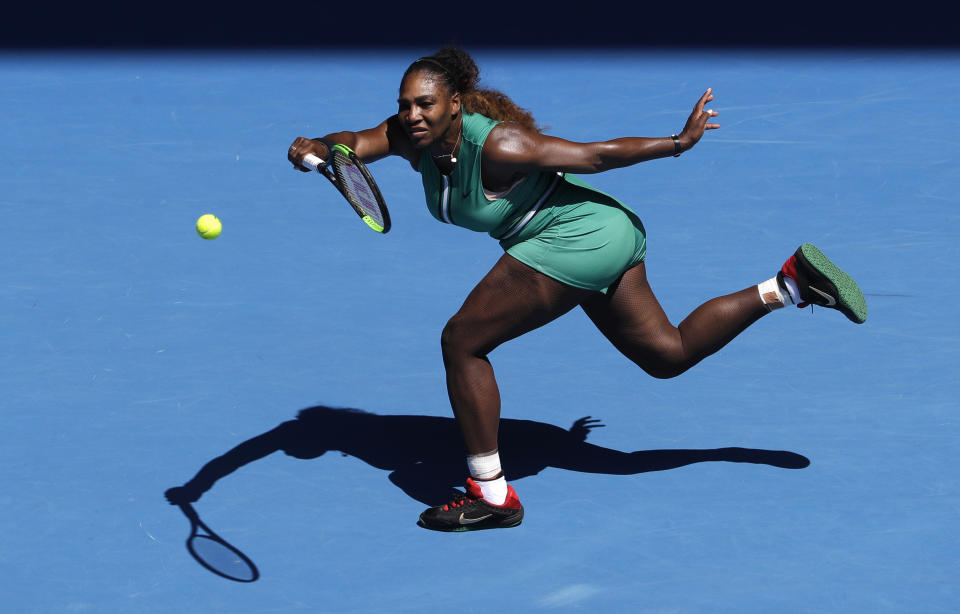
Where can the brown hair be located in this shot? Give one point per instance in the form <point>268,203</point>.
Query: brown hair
<point>458,70</point>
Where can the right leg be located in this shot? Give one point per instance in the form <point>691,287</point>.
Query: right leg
<point>511,300</point>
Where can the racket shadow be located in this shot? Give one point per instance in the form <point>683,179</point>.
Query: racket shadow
<point>215,553</point>
<point>425,457</point>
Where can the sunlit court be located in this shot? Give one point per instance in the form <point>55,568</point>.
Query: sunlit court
<point>287,374</point>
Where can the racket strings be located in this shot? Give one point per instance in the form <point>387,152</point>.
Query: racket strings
<point>222,558</point>
<point>357,189</point>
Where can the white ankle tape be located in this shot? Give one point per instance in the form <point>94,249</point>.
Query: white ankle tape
<point>771,295</point>
<point>484,466</point>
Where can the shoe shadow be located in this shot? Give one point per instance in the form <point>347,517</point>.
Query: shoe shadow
<point>425,456</point>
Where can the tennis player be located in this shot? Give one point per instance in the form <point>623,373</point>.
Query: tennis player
<point>486,166</point>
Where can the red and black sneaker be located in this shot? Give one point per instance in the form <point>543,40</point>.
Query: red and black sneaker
<point>470,512</point>
<point>822,283</point>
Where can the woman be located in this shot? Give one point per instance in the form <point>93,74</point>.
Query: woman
<point>486,166</point>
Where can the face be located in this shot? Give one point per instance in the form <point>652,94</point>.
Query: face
<point>426,108</point>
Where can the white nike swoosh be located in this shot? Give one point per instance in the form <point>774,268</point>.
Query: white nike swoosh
<point>830,300</point>
<point>473,520</point>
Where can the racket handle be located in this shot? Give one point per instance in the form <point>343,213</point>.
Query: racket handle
<point>313,162</point>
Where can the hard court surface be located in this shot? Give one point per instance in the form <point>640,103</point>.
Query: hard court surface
<point>811,466</point>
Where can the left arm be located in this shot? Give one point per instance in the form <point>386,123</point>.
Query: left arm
<point>511,150</point>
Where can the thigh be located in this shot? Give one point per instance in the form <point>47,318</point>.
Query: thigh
<point>510,300</point>
<point>631,317</point>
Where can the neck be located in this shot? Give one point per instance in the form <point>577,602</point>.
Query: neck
<point>450,142</point>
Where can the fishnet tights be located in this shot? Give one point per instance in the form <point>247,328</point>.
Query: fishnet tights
<point>514,299</point>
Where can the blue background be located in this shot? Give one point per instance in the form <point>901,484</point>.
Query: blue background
<point>135,352</point>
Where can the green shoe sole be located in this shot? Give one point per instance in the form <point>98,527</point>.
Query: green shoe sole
<point>850,300</point>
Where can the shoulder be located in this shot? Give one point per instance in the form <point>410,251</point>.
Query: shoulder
<point>522,150</point>
<point>506,138</point>
<point>509,153</point>
<point>510,143</point>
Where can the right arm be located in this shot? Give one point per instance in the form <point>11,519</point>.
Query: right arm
<point>387,139</point>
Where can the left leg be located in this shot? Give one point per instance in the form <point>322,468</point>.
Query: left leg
<point>630,316</point>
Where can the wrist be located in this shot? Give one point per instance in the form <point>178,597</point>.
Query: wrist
<point>328,143</point>
<point>677,147</point>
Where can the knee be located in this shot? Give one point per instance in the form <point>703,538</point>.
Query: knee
<point>455,338</point>
<point>663,362</point>
<point>665,370</point>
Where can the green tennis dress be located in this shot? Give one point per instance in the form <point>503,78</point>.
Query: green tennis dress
<point>553,222</point>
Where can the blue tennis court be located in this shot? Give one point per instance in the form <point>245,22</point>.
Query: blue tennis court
<point>290,371</point>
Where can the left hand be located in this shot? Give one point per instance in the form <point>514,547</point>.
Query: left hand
<point>698,122</point>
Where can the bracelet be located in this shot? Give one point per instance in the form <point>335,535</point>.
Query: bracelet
<point>677,150</point>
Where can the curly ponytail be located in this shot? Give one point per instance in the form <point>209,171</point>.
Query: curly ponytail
<point>457,69</point>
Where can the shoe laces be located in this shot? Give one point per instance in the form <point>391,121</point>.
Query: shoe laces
<point>460,500</point>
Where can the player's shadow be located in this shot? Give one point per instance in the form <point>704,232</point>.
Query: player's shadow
<point>425,456</point>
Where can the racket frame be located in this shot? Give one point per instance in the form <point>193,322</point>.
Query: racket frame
<point>341,155</point>
<point>195,525</point>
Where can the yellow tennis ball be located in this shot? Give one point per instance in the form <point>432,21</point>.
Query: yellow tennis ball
<point>209,226</point>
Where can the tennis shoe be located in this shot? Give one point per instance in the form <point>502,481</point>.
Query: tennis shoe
<point>822,283</point>
<point>469,511</point>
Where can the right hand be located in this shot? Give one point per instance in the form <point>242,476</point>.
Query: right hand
<point>301,147</point>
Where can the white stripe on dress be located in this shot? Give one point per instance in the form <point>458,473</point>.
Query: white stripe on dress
<point>533,210</point>
<point>445,201</point>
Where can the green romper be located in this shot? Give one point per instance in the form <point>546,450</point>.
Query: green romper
<point>553,222</point>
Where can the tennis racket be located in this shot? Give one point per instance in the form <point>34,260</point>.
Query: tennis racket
<point>214,553</point>
<point>353,180</point>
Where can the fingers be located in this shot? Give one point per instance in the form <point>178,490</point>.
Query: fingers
<point>704,99</point>
<point>707,97</point>
<point>292,152</point>
<point>706,118</point>
<point>699,113</point>
<point>705,114</point>
<point>699,121</point>
<point>296,152</point>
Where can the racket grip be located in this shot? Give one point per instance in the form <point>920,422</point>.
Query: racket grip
<point>312,161</point>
